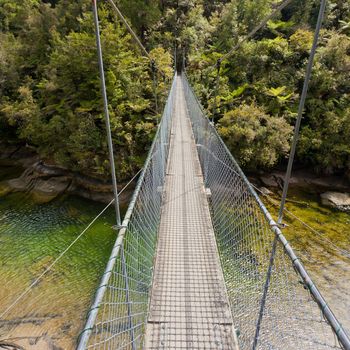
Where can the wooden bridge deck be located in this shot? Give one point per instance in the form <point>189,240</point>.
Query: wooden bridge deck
<point>189,307</point>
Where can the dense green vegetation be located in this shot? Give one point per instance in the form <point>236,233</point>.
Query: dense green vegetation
<point>259,85</point>
<point>50,95</point>
<point>50,91</point>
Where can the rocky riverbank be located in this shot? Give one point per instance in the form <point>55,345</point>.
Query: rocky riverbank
<point>46,182</point>
<point>333,191</point>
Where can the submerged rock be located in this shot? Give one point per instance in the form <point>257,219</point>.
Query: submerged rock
<point>336,200</point>
<point>5,188</point>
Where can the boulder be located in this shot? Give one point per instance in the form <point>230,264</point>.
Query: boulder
<point>46,190</point>
<point>269,181</point>
<point>46,182</point>
<point>336,200</point>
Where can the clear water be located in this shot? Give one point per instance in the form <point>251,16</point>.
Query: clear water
<point>32,236</point>
<point>327,266</point>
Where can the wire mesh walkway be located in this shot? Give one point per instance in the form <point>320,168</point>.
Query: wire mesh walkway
<point>189,272</point>
<point>189,306</point>
<point>181,275</point>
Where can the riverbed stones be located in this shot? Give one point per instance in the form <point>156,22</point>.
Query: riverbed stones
<point>336,200</point>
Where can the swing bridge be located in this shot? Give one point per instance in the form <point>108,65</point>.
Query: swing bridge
<point>199,263</point>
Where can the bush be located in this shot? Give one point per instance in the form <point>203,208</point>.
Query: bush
<point>256,139</point>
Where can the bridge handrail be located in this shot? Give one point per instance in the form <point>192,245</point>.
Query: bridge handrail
<point>92,314</point>
<point>337,328</point>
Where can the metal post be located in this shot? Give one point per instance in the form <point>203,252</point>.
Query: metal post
<point>106,112</point>
<point>266,289</point>
<point>301,109</point>
<point>127,298</point>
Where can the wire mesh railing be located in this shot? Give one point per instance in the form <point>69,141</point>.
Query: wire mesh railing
<point>274,303</point>
<point>118,315</point>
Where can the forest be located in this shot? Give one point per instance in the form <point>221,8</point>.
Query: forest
<point>50,97</point>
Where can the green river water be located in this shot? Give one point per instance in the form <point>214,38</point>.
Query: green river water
<point>33,235</point>
<point>328,266</point>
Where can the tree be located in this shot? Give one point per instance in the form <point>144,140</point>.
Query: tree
<point>256,139</point>
<point>54,102</point>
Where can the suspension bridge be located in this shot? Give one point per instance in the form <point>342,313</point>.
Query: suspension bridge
<point>198,262</point>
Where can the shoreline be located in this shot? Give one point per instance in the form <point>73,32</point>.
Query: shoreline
<point>46,182</point>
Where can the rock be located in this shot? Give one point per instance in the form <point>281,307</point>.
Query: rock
<point>42,189</point>
<point>5,188</point>
<point>265,191</point>
<point>269,181</point>
<point>306,179</point>
<point>330,182</point>
<point>336,200</point>
<point>46,182</point>
<point>19,184</point>
<point>46,190</point>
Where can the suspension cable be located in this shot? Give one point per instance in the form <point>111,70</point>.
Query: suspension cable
<point>289,168</point>
<point>35,282</point>
<point>301,108</point>
<point>235,48</point>
<point>344,252</point>
<point>217,82</point>
<point>155,83</point>
<point>134,36</point>
<point>254,31</point>
<point>106,111</point>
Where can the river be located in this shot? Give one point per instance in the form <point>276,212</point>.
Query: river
<point>328,266</point>
<point>33,235</point>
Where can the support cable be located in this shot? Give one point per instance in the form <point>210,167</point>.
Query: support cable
<point>266,289</point>
<point>130,30</point>
<point>344,252</point>
<point>127,297</point>
<point>301,109</point>
<point>254,31</point>
<point>217,81</point>
<point>134,35</point>
<point>49,268</point>
<point>155,83</point>
<point>247,37</point>
<point>106,112</point>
